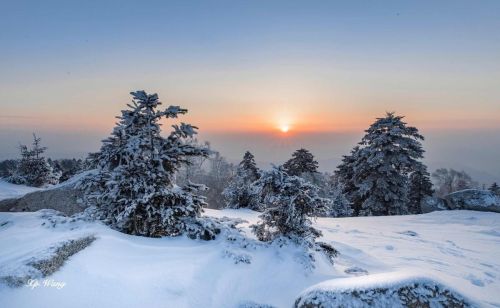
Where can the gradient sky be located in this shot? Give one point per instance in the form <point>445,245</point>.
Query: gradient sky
<point>243,68</point>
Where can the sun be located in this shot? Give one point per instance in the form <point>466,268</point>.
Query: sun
<point>284,128</point>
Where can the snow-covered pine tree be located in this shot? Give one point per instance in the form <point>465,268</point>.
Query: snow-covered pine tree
<point>33,169</point>
<point>420,186</point>
<point>133,189</point>
<point>340,205</point>
<point>288,202</point>
<point>494,188</point>
<point>302,162</point>
<point>241,192</point>
<point>388,153</point>
<point>345,176</point>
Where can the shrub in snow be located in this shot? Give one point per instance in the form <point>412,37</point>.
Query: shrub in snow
<point>302,161</point>
<point>288,202</point>
<point>241,191</point>
<point>376,174</point>
<point>33,169</point>
<point>133,189</point>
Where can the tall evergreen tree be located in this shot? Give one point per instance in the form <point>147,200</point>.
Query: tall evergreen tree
<point>133,189</point>
<point>302,162</point>
<point>33,169</point>
<point>241,192</point>
<point>389,152</point>
<point>420,187</point>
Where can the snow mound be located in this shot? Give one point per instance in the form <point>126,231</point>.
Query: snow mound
<point>396,289</point>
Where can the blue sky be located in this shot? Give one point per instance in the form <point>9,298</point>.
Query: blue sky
<point>325,68</point>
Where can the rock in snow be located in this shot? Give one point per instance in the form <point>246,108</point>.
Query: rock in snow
<point>62,199</point>
<point>473,199</point>
<point>468,199</point>
<point>431,204</point>
<point>397,289</point>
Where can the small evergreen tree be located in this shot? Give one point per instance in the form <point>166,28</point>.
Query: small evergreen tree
<point>494,188</point>
<point>302,162</point>
<point>241,192</point>
<point>345,176</point>
<point>8,167</point>
<point>133,189</point>
<point>288,202</point>
<point>420,187</point>
<point>67,167</point>
<point>340,205</point>
<point>33,169</point>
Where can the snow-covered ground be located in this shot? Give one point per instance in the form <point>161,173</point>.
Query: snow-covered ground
<point>8,190</point>
<point>459,248</point>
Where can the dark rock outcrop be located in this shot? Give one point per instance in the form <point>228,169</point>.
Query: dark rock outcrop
<point>468,199</point>
<point>407,292</point>
<point>431,204</point>
<point>63,199</point>
<point>473,199</point>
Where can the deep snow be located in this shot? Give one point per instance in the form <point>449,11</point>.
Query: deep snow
<point>459,248</point>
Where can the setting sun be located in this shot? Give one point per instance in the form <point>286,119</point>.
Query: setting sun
<point>284,128</point>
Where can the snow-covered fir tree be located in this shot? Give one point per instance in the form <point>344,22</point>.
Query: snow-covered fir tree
<point>340,205</point>
<point>241,191</point>
<point>420,186</point>
<point>345,176</point>
<point>288,202</point>
<point>302,162</point>
<point>494,188</point>
<point>33,169</point>
<point>67,167</point>
<point>133,189</point>
<point>330,188</point>
<point>387,154</point>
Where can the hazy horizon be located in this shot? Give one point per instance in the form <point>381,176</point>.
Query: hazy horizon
<point>246,69</point>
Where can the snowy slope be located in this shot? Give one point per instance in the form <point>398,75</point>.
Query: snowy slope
<point>9,190</point>
<point>461,248</point>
